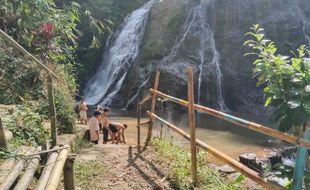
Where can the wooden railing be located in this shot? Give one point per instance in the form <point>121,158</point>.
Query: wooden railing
<point>154,93</point>
<point>50,77</point>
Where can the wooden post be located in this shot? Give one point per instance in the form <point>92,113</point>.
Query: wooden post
<point>13,175</point>
<point>69,173</point>
<point>138,124</point>
<point>301,161</point>
<point>153,106</point>
<point>161,125</point>
<point>52,110</point>
<point>191,118</point>
<point>3,141</point>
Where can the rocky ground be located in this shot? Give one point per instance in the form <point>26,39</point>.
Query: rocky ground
<point>120,167</point>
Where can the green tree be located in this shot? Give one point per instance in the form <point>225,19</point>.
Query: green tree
<point>286,80</point>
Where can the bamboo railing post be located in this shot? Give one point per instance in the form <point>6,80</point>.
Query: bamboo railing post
<point>161,125</point>
<point>138,124</point>
<point>52,110</point>
<point>301,161</point>
<point>69,173</point>
<point>3,141</point>
<point>153,106</point>
<point>191,119</point>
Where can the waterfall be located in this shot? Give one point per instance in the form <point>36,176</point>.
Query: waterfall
<point>305,23</point>
<point>196,24</point>
<point>118,59</point>
<point>136,94</point>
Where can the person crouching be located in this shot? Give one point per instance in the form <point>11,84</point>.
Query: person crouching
<point>117,132</point>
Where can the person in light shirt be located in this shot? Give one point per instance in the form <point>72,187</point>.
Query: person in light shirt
<point>94,128</point>
<point>83,111</point>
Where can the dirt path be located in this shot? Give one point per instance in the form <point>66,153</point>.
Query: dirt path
<point>121,168</point>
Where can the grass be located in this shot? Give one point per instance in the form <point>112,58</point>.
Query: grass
<point>80,143</point>
<point>180,168</point>
<point>88,174</point>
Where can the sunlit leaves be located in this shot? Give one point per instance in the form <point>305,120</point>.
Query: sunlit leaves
<point>287,79</point>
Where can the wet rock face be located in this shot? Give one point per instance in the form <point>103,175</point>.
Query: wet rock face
<point>229,20</point>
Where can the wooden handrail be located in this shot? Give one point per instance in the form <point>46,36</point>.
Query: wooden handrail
<point>238,121</point>
<point>24,51</point>
<point>237,165</point>
<point>146,98</point>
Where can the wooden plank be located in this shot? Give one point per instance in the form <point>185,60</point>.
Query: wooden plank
<point>57,171</point>
<point>24,51</point>
<point>192,127</point>
<point>52,110</point>
<point>239,122</point>
<point>47,171</point>
<point>30,170</point>
<point>221,156</point>
<point>153,106</point>
<point>69,173</point>
<point>300,164</point>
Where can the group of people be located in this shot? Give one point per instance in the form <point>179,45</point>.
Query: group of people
<point>99,124</point>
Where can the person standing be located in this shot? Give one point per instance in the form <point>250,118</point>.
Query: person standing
<point>105,124</point>
<point>94,129</point>
<point>83,111</point>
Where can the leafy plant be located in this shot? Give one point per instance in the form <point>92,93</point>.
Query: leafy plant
<point>26,126</point>
<point>286,80</point>
<point>180,168</point>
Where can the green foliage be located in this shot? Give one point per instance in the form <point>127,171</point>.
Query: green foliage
<point>286,80</point>
<point>180,167</point>
<point>26,126</point>
<point>20,78</point>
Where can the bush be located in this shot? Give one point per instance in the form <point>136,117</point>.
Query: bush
<point>180,168</point>
<point>26,126</point>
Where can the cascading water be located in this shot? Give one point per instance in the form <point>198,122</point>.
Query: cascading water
<point>305,23</point>
<point>130,101</point>
<point>197,25</point>
<point>118,59</point>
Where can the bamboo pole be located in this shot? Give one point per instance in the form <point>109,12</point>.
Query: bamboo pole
<point>300,164</point>
<point>57,171</point>
<point>191,119</point>
<point>138,124</point>
<point>223,157</point>
<point>13,175</point>
<point>3,141</point>
<point>26,179</point>
<point>52,110</point>
<point>161,126</point>
<point>47,171</point>
<point>238,121</point>
<point>153,106</point>
<point>55,149</point>
<point>24,51</point>
<point>69,173</point>
<point>145,99</point>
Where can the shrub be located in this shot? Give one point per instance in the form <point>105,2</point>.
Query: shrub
<point>26,126</point>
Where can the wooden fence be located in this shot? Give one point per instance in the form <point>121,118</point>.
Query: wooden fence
<point>154,93</point>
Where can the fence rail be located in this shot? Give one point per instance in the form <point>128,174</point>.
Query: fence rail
<point>238,121</point>
<point>154,93</point>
